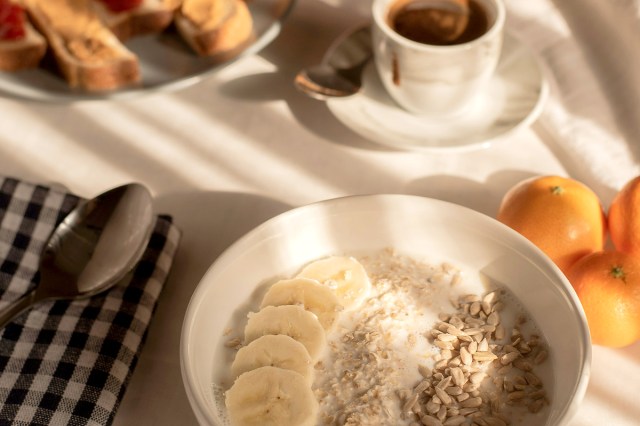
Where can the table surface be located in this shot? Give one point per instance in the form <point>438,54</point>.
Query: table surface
<point>228,153</point>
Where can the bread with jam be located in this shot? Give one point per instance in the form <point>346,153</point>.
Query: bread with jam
<point>21,46</point>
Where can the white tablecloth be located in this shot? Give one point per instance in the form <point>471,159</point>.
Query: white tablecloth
<point>242,146</point>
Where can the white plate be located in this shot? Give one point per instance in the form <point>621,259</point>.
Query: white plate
<point>166,62</point>
<point>513,98</point>
<point>421,227</point>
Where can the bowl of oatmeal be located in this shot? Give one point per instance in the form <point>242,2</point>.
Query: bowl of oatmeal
<point>458,320</point>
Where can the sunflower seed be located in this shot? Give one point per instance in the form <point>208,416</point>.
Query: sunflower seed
<point>524,347</point>
<point>519,380</point>
<point>516,395</point>
<point>509,357</point>
<point>454,362</point>
<point>539,394</point>
<point>467,411</point>
<point>486,307</point>
<point>453,330</point>
<point>444,316</point>
<point>455,421</point>
<point>441,364</point>
<point>541,357</point>
<point>443,345</point>
<point>471,402</point>
<point>424,371</point>
<point>432,407</point>
<point>490,297</point>
<point>454,390</point>
<point>446,354</point>
<point>523,365</point>
<point>532,379</point>
<point>463,397</point>
<point>444,383</point>
<point>430,421</point>
<point>474,309</point>
<point>422,386</point>
<point>410,403</point>
<point>484,356</point>
<point>495,421</point>
<point>442,413</point>
<point>458,376</point>
<point>483,346</point>
<point>446,337</point>
<point>477,378</point>
<point>493,318</point>
<point>465,356</point>
<point>444,397</point>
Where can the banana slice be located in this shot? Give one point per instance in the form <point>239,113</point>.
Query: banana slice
<point>312,295</point>
<point>345,275</point>
<point>276,351</point>
<point>271,396</point>
<point>291,320</point>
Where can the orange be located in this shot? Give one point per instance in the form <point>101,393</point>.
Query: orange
<point>561,216</point>
<point>608,285</point>
<point>624,218</point>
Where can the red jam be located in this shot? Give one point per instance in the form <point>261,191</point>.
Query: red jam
<point>121,5</point>
<point>11,21</point>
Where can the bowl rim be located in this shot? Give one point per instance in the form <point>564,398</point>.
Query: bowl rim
<point>197,402</point>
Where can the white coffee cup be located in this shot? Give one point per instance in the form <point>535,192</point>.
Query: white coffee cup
<point>435,80</point>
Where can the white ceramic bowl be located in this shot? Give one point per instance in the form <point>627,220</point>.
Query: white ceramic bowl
<point>421,227</point>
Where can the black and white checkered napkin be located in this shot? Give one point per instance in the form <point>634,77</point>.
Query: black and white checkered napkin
<point>68,363</point>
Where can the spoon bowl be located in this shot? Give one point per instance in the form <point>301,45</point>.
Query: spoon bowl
<point>340,72</point>
<point>93,248</point>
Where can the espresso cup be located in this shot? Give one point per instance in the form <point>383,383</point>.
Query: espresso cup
<point>435,79</point>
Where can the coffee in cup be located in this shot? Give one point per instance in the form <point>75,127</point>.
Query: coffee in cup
<point>434,56</point>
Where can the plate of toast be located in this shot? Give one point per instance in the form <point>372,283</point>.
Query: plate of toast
<point>69,50</point>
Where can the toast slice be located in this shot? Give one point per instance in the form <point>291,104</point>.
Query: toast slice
<point>23,53</point>
<point>151,16</point>
<point>215,27</point>
<point>87,53</point>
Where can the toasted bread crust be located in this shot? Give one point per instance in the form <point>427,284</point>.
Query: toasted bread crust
<point>24,53</point>
<point>98,76</point>
<point>226,40</point>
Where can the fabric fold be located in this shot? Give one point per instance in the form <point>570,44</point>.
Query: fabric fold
<point>593,82</point>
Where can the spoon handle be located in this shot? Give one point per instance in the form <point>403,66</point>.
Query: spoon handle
<point>17,307</point>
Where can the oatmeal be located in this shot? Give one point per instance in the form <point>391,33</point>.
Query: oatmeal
<point>408,343</point>
<point>428,347</point>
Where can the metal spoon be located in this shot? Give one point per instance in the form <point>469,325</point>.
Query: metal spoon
<point>93,248</point>
<point>340,72</point>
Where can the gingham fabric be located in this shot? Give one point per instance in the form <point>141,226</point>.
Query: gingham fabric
<point>68,363</point>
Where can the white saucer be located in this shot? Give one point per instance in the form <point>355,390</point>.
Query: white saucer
<point>513,99</point>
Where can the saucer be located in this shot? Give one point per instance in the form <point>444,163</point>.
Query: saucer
<point>511,100</point>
